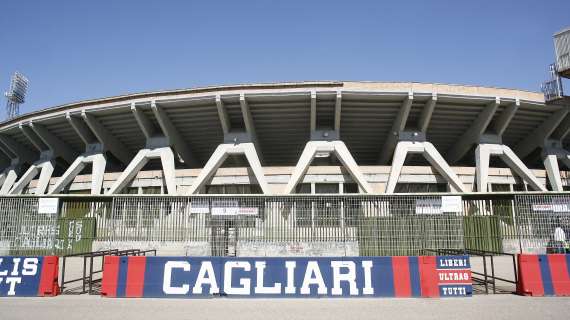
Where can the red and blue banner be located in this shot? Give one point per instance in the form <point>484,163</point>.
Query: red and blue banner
<point>28,276</point>
<point>544,274</point>
<point>203,277</point>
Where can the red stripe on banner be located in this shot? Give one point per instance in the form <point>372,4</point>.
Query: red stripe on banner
<point>401,271</point>
<point>135,277</point>
<point>48,285</point>
<point>110,276</point>
<point>530,278</point>
<point>428,276</point>
<point>559,274</point>
<point>451,276</point>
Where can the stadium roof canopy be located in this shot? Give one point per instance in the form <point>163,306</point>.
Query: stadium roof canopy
<point>365,115</point>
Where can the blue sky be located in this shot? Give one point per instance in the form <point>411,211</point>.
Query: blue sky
<point>75,50</point>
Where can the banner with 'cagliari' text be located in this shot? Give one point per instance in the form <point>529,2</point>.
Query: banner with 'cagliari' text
<point>202,277</point>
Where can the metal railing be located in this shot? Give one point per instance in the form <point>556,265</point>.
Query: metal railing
<point>296,225</point>
<point>92,269</point>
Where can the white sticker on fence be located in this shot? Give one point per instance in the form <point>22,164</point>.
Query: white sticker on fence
<point>428,206</point>
<point>199,206</point>
<point>451,204</point>
<point>48,205</point>
<point>248,211</point>
<point>225,208</point>
<point>541,207</point>
<point>232,208</point>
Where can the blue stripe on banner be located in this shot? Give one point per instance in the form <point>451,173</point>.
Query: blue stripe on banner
<point>546,276</point>
<point>415,277</point>
<point>385,277</point>
<point>568,263</point>
<point>122,279</point>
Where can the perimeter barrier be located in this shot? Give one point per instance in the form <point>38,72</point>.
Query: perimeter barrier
<point>207,277</point>
<point>25,276</point>
<point>297,225</point>
<point>327,225</point>
<point>544,275</point>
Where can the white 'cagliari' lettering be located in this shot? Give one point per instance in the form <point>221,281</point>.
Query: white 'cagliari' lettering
<point>206,275</point>
<point>290,288</point>
<point>349,277</point>
<point>167,280</point>
<point>244,282</point>
<point>313,276</point>
<point>367,266</point>
<point>260,288</point>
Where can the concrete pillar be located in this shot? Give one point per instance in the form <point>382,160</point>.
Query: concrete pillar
<point>45,168</point>
<point>10,177</point>
<point>553,172</point>
<point>513,161</point>
<point>482,156</point>
<point>220,155</point>
<point>340,150</point>
<point>430,153</point>
<point>98,161</point>
<point>166,157</point>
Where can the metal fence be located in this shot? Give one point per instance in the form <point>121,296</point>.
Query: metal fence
<point>299,225</point>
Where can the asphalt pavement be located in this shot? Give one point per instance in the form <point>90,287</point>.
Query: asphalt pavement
<point>477,307</point>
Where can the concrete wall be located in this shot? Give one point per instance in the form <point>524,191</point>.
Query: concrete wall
<point>166,248</point>
<point>297,249</point>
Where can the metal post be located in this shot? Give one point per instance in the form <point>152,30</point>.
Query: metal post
<point>485,274</point>
<point>493,273</point>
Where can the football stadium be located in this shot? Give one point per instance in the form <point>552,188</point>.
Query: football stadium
<point>319,168</point>
<point>296,169</point>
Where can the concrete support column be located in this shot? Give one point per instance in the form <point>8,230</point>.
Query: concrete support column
<point>430,153</point>
<point>44,168</point>
<point>553,152</point>
<point>482,157</point>
<point>98,161</point>
<point>340,150</point>
<point>485,151</point>
<point>220,155</point>
<point>166,157</point>
<point>9,177</point>
<point>553,172</point>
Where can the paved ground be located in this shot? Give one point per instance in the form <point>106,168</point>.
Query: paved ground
<point>92,307</point>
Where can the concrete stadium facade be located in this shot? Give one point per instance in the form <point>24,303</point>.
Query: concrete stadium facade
<point>283,138</point>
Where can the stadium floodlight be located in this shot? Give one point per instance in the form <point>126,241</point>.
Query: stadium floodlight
<point>16,95</point>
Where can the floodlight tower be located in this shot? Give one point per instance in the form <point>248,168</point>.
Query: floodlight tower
<point>16,95</point>
<point>552,88</point>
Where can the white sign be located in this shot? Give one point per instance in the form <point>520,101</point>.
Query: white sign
<point>199,206</point>
<point>48,205</point>
<point>428,206</point>
<point>451,204</point>
<point>232,208</point>
<point>225,211</point>
<point>541,207</point>
<point>225,208</point>
<point>556,206</point>
<point>248,211</point>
